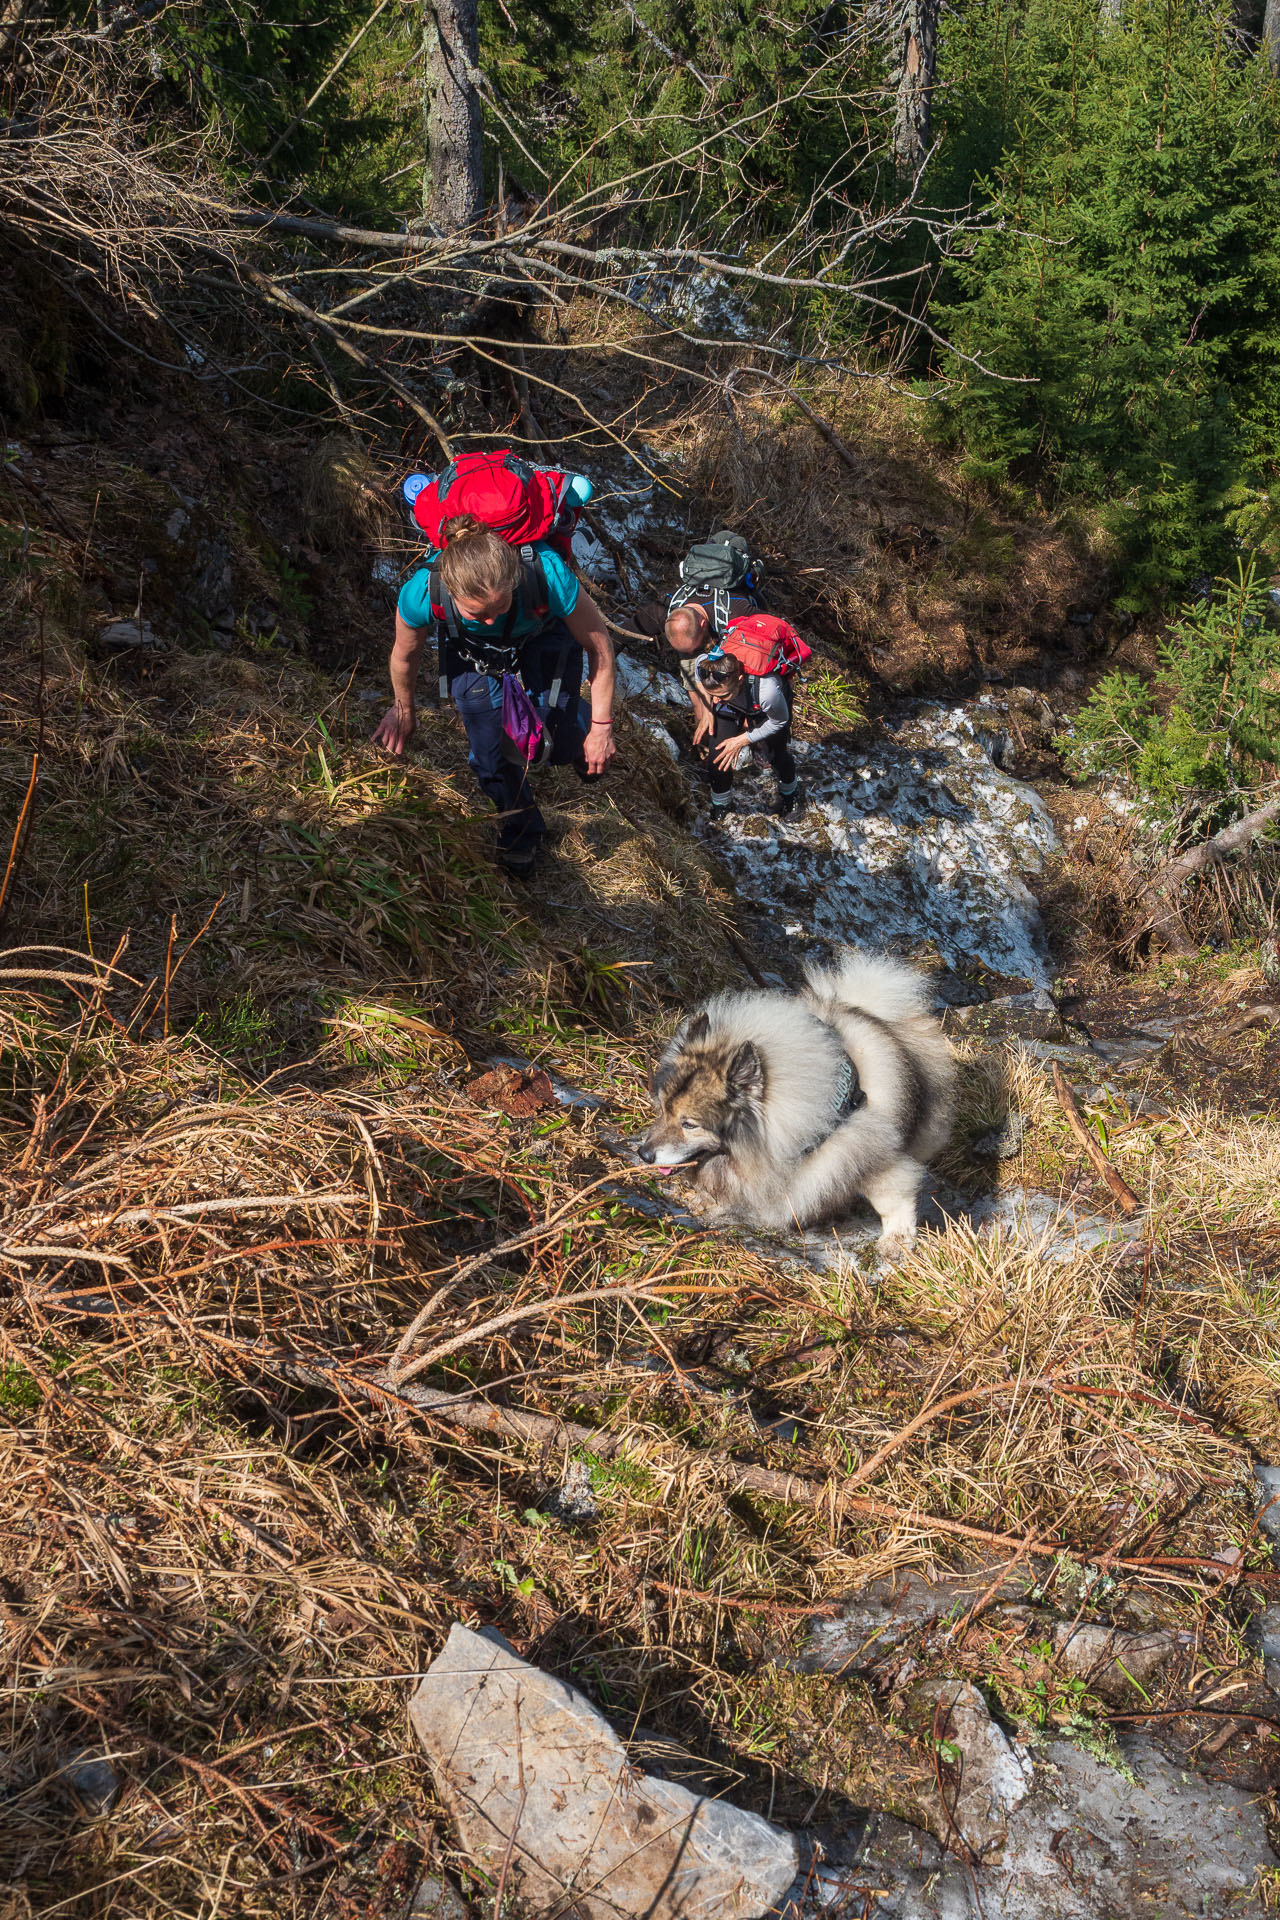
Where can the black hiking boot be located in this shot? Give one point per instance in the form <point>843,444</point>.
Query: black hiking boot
<point>519,862</point>
<point>793,802</point>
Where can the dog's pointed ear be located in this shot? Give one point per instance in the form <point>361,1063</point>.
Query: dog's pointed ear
<point>745,1072</point>
<point>697,1030</point>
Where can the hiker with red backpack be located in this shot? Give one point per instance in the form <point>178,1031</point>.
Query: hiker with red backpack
<point>512,627</point>
<point>748,683</point>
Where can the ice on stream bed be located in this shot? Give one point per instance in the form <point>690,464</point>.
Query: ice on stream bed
<point>916,838</point>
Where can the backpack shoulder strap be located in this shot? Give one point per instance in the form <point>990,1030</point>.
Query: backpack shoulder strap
<point>441,597</point>
<point>533,588</point>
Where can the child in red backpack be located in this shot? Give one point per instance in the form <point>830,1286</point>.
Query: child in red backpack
<point>752,716</point>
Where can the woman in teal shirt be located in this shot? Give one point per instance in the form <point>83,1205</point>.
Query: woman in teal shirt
<point>492,613</point>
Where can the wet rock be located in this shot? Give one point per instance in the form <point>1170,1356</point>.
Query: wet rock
<point>1090,1842</point>
<point>435,1899</point>
<point>1263,1632</point>
<point>987,1775</point>
<point>889,1612</point>
<point>1116,1664</point>
<point>131,636</point>
<point>93,1782</point>
<point>1058,1232</point>
<point>1267,1485</point>
<point>1098,1841</point>
<point>534,1776</point>
<point>572,1499</point>
<point>887,1870</point>
<point>209,591</point>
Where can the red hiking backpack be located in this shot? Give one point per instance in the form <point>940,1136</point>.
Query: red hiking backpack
<point>521,503</point>
<point>765,644</point>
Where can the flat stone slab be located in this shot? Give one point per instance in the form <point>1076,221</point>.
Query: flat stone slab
<point>890,1611</point>
<point>537,1780</point>
<point>992,1775</point>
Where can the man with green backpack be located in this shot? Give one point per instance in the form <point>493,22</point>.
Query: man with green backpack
<point>718,583</point>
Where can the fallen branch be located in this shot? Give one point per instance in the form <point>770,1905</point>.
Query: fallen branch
<point>1164,916</point>
<point>19,834</point>
<point>545,1432</point>
<point>281,297</point>
<point>1126,1198</point>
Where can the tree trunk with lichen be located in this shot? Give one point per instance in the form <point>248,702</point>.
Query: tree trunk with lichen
<point>1271,36</point>
<point>914,69</point>
<point>452,184</point>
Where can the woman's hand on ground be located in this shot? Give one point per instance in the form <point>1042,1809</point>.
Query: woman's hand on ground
<point>598,748</point>
<point>395,729</point>
<point>726,754</point>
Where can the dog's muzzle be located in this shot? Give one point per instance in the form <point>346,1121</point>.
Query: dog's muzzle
<point>654,1156</point>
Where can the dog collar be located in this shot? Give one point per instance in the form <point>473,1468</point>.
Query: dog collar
<point>848,1093</point>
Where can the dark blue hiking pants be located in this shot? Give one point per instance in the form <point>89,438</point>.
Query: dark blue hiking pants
<point>478,698</point>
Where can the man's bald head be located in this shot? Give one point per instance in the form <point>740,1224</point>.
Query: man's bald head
<point>688,629</point>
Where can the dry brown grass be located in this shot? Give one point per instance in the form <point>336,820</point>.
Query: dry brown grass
<point>225,1549</point>
<point>217,1576</point>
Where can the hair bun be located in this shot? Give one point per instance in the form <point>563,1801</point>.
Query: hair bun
<point>462,526</point>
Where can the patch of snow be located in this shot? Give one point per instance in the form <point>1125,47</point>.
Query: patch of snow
<point>385,571</point>
<point>656,731</point>
<point>636,681</point>
<point>919,839</point>
<point>591,555</point>
<point>1037,1219</point>
<point>702,302</point>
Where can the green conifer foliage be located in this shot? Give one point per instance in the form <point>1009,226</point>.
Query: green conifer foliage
<point>1195,758</point>
<point>1134,287</point>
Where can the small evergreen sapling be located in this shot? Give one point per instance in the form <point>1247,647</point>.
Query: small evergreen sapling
<point>1196,761</point>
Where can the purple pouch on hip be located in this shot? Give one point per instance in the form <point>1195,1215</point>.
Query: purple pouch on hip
<point>522,725</point>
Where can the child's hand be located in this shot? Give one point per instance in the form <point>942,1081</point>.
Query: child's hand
<point>726,754</point>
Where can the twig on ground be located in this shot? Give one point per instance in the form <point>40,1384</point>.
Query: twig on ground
<point>1126,1198</point>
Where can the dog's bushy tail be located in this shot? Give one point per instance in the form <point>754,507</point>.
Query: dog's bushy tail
<point>871,983</point>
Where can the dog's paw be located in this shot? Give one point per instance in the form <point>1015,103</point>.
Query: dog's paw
<point>893,1248</point>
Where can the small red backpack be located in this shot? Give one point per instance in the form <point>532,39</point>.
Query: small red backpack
<point>520,502</point>
<point>765,644</point>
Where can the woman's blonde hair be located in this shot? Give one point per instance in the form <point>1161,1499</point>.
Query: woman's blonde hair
<point>475,563</point>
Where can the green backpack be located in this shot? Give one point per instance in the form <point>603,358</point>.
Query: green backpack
<point>715,570</point>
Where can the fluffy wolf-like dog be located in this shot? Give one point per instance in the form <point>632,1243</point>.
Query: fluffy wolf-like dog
<point>792,1105</point>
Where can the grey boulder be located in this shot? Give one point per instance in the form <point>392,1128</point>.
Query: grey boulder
<point>539,1783</point>
<point>1115,1664</point>
<point>887,1612</point>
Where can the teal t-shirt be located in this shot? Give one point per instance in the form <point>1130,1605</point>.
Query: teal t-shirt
<point>562,597</point>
